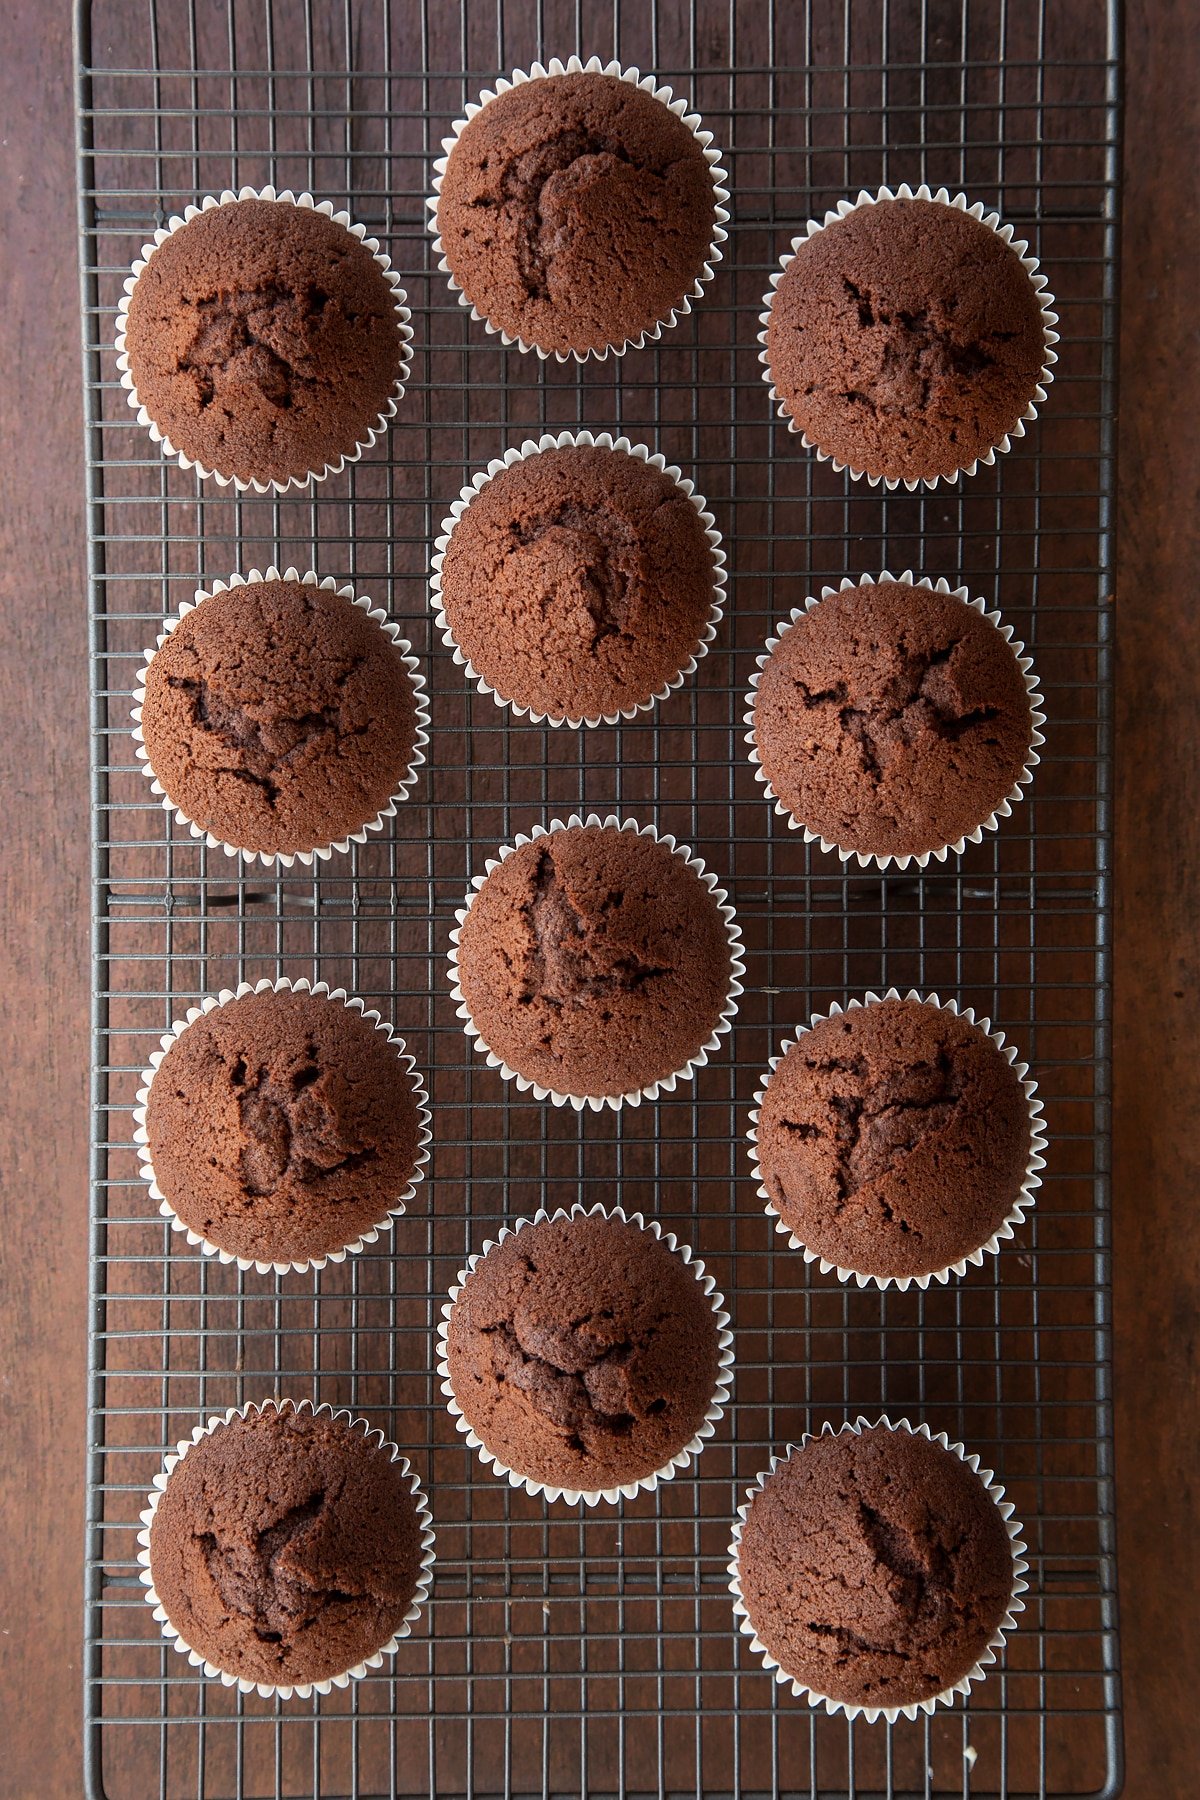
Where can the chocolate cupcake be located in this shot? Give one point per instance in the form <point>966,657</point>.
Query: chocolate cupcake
<point>585,1355</point>
<point>286,1549</point>
<point>897,1141</point>
<point>263,339</point>
<point>282,1126</point>
<point>894,720</point>
<point>578,209</point>
<point>579,579</point>
<point>596,962</point>
<point>908,337</point>
<point>281,717</point>
<point>877,1569</point>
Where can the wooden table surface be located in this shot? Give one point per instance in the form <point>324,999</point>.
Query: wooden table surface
<point>44,918</point>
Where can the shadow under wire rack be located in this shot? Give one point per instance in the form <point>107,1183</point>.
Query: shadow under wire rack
<point>568,1653</point>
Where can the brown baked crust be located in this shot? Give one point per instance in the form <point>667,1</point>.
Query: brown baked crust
<point>279,717</point>
<point>583,1353</point>
<point>875,1567</point>
<point>906,339</point>
<point>594,961</point>
<point>579,582</point>
<point>892,720</point>
<point>263,340</point>
<point>286,1548</point>
<point>282,1126</point>
<point>893,1139</point>
<point>576,212</point>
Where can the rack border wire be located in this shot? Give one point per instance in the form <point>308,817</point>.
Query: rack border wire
<point>651,1562</point>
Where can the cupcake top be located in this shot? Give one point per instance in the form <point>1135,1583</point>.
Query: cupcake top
<point>286,1547</point>
<point>583,1353</point>
<point>894,1139</point>
<point>579,581</point>
<point>892,719</point>
<point>576,212</point>
<point>263,340</point>
<point>594,961</point>
<point>875,1567</point>
<point>906,339</point>
<point>282,1126</point>
<point>279,717</point>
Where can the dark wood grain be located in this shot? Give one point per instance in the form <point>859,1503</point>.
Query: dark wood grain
<point>1157,1145</point>
<point>43,763</point>
<point>43,914</point>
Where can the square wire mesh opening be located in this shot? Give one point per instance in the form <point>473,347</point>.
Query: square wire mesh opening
<point>568,1653</point>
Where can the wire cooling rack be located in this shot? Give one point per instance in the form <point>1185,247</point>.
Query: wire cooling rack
<point>569,1653</point>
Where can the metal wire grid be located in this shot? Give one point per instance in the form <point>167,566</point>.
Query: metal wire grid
<point>565,1653</point>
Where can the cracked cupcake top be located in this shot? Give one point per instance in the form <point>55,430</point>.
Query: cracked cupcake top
<point>594,961</point>
<point>281,1126</point>
<point>892,720</point>
<point>875,1567</point>
<point>894,1138</point>
<point>579,581</point>
<point>286,1547</point>
<point>576,211</point>
<point>906,339</point>
<point>583,1353</point>
<point>263,340</point>
<point>279,716</point>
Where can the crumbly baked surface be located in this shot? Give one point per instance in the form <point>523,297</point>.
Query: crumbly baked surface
<point>286,1548</point>
<point>576,211</point>
<point>891,719</point>
<point>594,961</point>
<point>906,339</point>
<point>282,1126</point>
<point>263,340</point>
<point>579,581</point>
<point>279,716</point>
<point>893,1139</point>
<point>875,1567</point>
<point>583,1353</point>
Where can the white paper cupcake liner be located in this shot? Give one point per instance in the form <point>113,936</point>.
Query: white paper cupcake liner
<point>1045,299</point>
<point>977,1672</point>
<point>286,858</point>
<point>668,1083</point>
<point>403,318</point>
<point>282,985</point>
<point>1029,1186</point>
<point>569,440</point>
<point>712,156</point>
<point>302,1690</point>
<point>682,1458</point>
<point>867,859</point>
